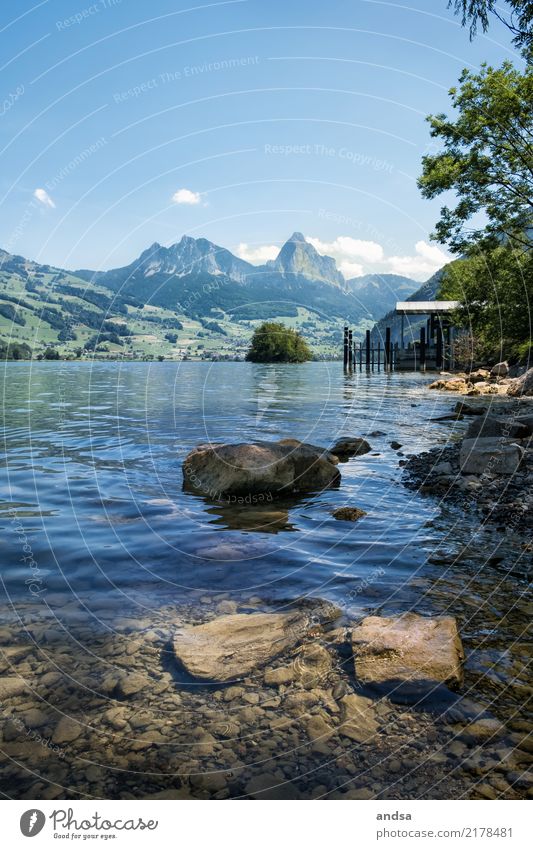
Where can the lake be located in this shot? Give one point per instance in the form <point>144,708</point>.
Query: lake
<point>99,538</point>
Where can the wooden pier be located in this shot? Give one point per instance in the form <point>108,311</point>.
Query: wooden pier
<point>432,350</point>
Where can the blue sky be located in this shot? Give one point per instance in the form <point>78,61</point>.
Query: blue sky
<point>124,122</point>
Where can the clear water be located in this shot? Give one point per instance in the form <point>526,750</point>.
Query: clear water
<point>99,540</point>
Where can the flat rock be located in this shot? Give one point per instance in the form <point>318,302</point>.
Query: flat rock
<point>231,647</point>
<point>409,653</point>
<point>493,454</point>
<point>260,468</point>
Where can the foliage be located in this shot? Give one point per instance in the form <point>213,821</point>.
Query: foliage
<point>51,354</point>
<point>14,351</point>
<point>487,158</point>
<point>9,312</point>
<point>495,290</point>
<point>171,337</point>
<point>476,12</point>
<point>272,342</point>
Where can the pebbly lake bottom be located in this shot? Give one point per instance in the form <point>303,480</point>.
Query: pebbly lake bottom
<point>104,557</point>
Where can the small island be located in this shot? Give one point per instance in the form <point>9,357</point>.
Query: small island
<point>272,342</point>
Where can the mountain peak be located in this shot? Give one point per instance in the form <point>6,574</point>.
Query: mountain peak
<point>297,237</point>
<point>299,257</point>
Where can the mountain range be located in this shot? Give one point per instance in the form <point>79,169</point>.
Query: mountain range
<point>199,294</point>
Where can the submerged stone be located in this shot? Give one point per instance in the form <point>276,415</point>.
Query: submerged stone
<point>231,647</point>
<point>408,655</point>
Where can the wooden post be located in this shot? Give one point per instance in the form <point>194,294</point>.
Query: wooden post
<point>360,356</point>
<point>402,331</point>
<point>422,349</point>
<point>387,349</point>
<point>379,355</point>
<point>438,352</point>
<point>367,352</point>
<point>372,353</point>
<point>350,348</point>
<point>345,346</point>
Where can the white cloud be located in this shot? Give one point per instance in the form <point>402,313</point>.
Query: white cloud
<point>257,255</point>
<point>186,196</point>
<point>44,198</point>
<point>427,260</point>
<point>351,269</point>
<point>345,249</point>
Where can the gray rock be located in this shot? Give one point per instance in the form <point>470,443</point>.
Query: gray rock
<point>260,468</point>
<point>500,370</point>
<point>490,454</point>
<point>489,426</point>
<point>350,446</point>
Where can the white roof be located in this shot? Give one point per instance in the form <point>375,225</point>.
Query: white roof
<point>425,307</point>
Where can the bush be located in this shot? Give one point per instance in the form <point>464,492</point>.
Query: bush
<point>51,354</point>
<point>272,342</point>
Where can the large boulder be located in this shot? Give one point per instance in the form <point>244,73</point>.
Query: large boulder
<point>234,646</point>
<point>521,385</point>
<point>453,384</point>
<point>408,655</point>
<point>350,446</point>
<point>500,370</point>
<point>259,468</point>
<point>490,454</point>
<point>486,426</point>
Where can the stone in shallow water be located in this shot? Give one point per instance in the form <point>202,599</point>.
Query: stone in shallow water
<point>231,647</point>
<point>358,718</point>
<point>259,469</point>
<point>348,514</point>
<point>350,446</point>
<point>269,786</point>
<point>66,730</point>
<point>13,686</point>
<point>409,654</point>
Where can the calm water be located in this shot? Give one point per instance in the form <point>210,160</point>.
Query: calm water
<point>93,473</point>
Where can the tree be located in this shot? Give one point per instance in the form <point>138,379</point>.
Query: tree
<point>272,342</point>
<point>495,291</point>
<point>51,354</point>
<point>519,22</point>
<point>487,159</point>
